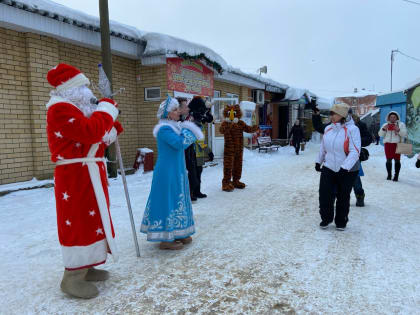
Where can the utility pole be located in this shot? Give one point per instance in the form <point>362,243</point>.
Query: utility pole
<point>392,62</point>
<point>110,152</point>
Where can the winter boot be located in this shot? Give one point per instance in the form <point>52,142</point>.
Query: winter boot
<point>324,224</point>
<point>397,170</point>
<point>171,245</point>
<point>238,184</point>
<point>360,202</point>
<point>389,169</point>
<point>96,275</point>
<point>184,241</point>
<point>74,284</point>
<point>227,186</point>
<point>198,192</point>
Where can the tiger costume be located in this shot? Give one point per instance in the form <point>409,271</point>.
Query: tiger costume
<point>233,128</point>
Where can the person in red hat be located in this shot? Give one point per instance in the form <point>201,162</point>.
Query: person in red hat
<point>78,132</point>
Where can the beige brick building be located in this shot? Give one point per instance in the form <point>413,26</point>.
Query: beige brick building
<point>32,43</point>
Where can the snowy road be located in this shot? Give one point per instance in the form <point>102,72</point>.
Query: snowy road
<point>256,251</point>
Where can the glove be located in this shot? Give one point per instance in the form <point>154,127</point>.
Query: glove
<point>108,100</point>
<point>418,164</point>
<point>211,156</point>
<point>119,127</point>
<point>317,167</point>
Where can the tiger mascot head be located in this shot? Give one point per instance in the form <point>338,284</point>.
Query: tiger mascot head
<point>232,113</point>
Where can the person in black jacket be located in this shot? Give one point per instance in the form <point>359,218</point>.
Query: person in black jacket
<point>296,134</point>
<point>366,141</point>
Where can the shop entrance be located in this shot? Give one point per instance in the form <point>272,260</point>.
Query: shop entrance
<point>283,122</point>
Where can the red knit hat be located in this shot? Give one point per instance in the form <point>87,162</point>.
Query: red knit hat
<point>64,77</point>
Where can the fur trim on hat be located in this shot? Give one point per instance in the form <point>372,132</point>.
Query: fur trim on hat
<point>341,109</point>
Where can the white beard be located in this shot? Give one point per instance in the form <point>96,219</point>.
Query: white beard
<point>81,97</point>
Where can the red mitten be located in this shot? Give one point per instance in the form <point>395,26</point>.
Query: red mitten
<point>108,100</point>
<point>118,126</point>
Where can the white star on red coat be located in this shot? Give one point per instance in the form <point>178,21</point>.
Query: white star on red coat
<point>99,231</point>
<point>68,222</point>
<point>77,144</point>
<point>58,134</point>
<point>92,213</point>
<point>65,196</point>
<point>71,120</point>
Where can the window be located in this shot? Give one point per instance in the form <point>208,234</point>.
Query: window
<point>232,95</point>
<point>152,94</point>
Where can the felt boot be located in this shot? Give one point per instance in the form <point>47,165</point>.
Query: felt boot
<point>96,275</point>
<point>184,241</point>
<point>171,245</point>
<point>74,284</point>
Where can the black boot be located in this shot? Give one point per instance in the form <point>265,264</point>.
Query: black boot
<point>198,192</point>
<point>389,169</point>
<point>360,200</point>
<point>397,170</point>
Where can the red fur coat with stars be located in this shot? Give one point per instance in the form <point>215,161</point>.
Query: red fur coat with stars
<point>85,229</point>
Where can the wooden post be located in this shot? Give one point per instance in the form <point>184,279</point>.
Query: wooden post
<point>107,66</point>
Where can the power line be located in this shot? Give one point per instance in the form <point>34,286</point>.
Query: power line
<point>411,57</point>
<point>413,2</point>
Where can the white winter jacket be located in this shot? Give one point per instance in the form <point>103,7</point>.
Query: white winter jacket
<point>332,153</point>
<point>391,136</point>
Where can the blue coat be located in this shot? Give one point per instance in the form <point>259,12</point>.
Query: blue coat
<point>168,214</point>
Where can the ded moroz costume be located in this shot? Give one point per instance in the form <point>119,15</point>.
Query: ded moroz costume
<point>78,133</point>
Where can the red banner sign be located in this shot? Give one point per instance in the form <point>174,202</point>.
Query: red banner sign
<point>189,76</point>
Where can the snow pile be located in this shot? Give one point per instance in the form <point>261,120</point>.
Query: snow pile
<point>25,185</point>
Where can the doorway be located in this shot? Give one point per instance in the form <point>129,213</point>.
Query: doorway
<point>283,122</point>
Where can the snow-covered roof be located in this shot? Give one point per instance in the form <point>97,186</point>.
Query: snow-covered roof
<point>65,14</point>
<point>372,112</point>
<point>359,94</point>
<point>412,84</point>
<point>154,44</point>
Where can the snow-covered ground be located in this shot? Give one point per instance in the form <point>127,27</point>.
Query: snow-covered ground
<point>256,251</point>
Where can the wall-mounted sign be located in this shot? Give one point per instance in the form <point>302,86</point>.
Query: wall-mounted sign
<point>189,76</point>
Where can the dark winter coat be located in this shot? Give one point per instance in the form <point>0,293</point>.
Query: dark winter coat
<point>297,133</point>
<point>364,132</point>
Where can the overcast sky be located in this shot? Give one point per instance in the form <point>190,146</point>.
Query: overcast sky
<point>327,46</point>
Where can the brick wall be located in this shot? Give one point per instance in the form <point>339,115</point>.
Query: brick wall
<point>149,76</point>
<point>16,158</point>
<point>25,59</point>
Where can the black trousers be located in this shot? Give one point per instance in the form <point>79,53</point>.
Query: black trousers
<point>334,185</point>
<point>198,187</point>
<point>296,144</point>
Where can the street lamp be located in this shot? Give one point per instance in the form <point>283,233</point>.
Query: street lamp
<point>392,61</point>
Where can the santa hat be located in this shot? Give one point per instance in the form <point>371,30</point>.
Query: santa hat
<point>63,77</point>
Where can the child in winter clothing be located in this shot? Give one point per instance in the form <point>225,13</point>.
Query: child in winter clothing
<point>393,132</point>
<point>168,216</point>
<point>339,155</point>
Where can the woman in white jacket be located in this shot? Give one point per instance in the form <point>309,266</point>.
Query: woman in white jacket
<point>393,132</point>
<point>339,155</point>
